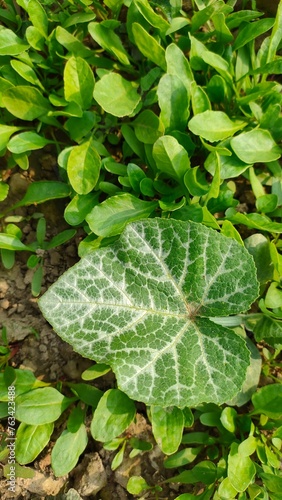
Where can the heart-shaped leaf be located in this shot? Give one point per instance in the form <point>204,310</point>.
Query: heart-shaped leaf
<point>142,305</point>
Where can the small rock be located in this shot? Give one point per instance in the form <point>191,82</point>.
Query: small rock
<point>28,277</point>
<point>20,308</point>
<point>3,288</point>
<point>55,258</point>
<point>129,467</point>
<point>5,304</point>
<point>42,485</point>
<point>71,369</point>
<point>90,475</point>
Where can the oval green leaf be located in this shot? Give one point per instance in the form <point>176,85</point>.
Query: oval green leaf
<point>26,103</point>
<point>167,425</point>
<point>256,146</point>
<point>110,217</point>
<point>83,167</point>
<point>78,82</point>
<point>117,96</point>
<point>114,413</point>
<point>268,400</point>
<point>214,125</point>
<point>27,141</point>
<point>67,450</point>
<point>31,440</point>
<point>40,406</point>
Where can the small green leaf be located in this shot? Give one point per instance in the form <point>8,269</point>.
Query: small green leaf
<point>26,141</point>
<point>31,440</point>
<point>26,72</point>
<point>11,242</point>
<point>110,217</point>
<point>10,43</point>
<point>25,102</point>
<point>114,413</point>
<point>253,220</point>
<point>148,127</point>
<point>273,298</point>
<point>258,246</point>
<point>173,101</point>
<point>109,40</point>
<point>248,446</point>
<point>182,457</point>
<point>167,425</point>
<point>268,400</point>
<point>118,458</point>
<point>241,469</point>
<point>214,125</point>
<point>251,31</point>
<point>95,371</point>
<point>228,419</point>
<point>5,133</point>
<point>170,157</point>
<point>89,394</point>
<point>83,167</point>
<point>25,382</point>
<point>38,16</point>
<point>256,146</point>
<point>149,46</point>
<point>136,484</point>
<point>79,207</point>
<point>41,191</point>
<point>40,406</point>
<point>60,238</point>
<point>67,450</point>
<point>116,95</point>
<point>78,82</point>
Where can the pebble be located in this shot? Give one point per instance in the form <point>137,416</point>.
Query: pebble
<point>5,304</point>
<point>90,475</point>
<point>3,288</point>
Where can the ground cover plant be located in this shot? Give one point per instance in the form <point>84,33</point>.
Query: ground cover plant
<point>166,122</point>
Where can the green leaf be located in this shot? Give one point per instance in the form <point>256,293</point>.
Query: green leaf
<point>182,457</point>
<point>5,133</point>
<point>71,43</point>
<point>148,127</point>
<point>272,482</point>
<point>41,191</point>
<point>276,34</point>
<point>89,394</point>
<point>38,17</point>
<point>268,400</point>
<point>77,209</point>
<point>178,64</point>
<point>151,16</point>
<point>136,484</point>
<point>110,217</point>
<point>117,96</point>
<point>256,146</point>
<point>203,472</point>
<point>24,102</point>
<point>268,329</point>
<point>78,82</point>
<point>25,381</point>
<point>253,220</point>
<point>167,426</point>
<point>148,46</point>
<point>144,303</point>
<point>40,406</point>
<point>10,43</point>
<point>83,167</point>
<point>258,246</point>
<point>26,72</point>
<point>11,242</point>
<point>67,450</point>
<point>31,440</point>
<point>109,40</point>
<point>114,413</point>
<point>170,157</point>
<point>60,238</point>
<point>173,101</point>
<point>241,469</point>
<point>26,141</point>
<point>214,125</point>
<point>251,31</point>
<point>95,371</point>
